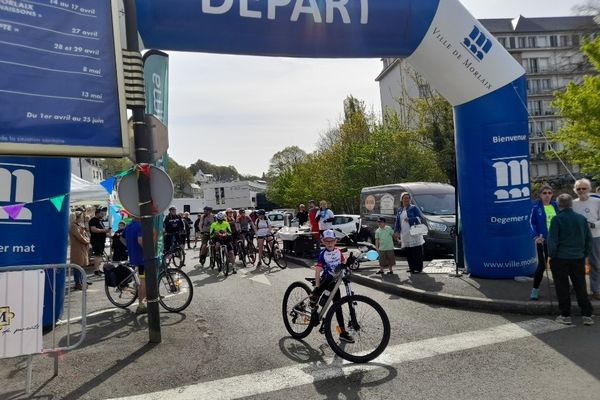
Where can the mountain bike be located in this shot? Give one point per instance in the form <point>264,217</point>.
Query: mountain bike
<point>365,319</point>
<point>175,253</point>
<point>250,249</point>
<point>221,258</point>
<point>273,251</point>
<point>175,289</point>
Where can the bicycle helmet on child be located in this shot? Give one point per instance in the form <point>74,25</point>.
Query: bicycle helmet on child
<point>220,216</point>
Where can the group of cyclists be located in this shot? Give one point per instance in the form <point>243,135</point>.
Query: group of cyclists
<point>222,228</point>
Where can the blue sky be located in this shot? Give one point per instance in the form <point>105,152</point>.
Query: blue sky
<point>239,110</point>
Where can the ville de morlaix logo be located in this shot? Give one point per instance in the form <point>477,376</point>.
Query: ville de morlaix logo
<point>477,43</point>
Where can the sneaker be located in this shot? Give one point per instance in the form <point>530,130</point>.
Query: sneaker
<point>563,320</point>
<point>78,286</point>
<point>346,337</point>
<point>535,295</point>
<point>234,271</point>
<point>141,308</point>
<point>587,321</point>
<point>379,272</point>
<point>259,264</point>
<point>98,273</point>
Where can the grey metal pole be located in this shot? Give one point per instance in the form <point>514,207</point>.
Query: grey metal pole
<point>144,148</point>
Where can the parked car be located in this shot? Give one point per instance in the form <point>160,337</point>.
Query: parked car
<point>347,223</point>
<point>277,218</point>
<point>436,202</point>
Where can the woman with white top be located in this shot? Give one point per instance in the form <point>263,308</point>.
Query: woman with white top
<point>263,229</point>
<point>407,216</point>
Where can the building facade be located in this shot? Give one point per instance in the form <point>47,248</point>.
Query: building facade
<point>548,49</point>
<point>235,194</point>
<point>88,169</point>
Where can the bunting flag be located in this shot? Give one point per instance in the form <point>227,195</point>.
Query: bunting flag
<point>14,210</point>
<point>108,184</point>
<point>144,169</point>
<point>58,201</point>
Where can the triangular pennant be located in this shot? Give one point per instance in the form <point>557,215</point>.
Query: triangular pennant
<point>108,184</point>
<point>14,210</point>
<point>58,201</point>
<point>123,173</point>
<point>144,169</point>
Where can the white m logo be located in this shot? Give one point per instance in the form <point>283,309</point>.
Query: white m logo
<point>512,175</point>
<point>23,191</point>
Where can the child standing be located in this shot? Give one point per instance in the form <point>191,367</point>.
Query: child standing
<point>384,241</point>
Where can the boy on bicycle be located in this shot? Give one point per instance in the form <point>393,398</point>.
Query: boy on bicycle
<point>327,270</point>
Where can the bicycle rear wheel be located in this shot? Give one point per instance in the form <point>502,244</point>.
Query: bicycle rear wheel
<point>279,256</point>
<point>366,321</point>
<point>124,294</point>
<point>175,290</point>
<point>296,310</point>
<point>241,253</point>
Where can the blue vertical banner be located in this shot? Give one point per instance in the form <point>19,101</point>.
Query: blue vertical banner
<point>32,229</point>
<point>156,81</point>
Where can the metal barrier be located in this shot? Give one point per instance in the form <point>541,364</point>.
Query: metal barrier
<point>68,321</point>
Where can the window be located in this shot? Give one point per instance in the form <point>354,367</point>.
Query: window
<point>502,41</point>
<point>217,197</point>
<point>550,126</point>
<point>564,41</point>
<point>531,42</point>
<point>576,40</point>
<point>542,41</point>
<point>522,42</point>
<point>424,90</point>
<point>512,43</point>
<point>553,41</point>
<point>222,195</point>
<point>535,108</point>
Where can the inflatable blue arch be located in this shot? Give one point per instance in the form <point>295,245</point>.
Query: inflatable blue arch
<point>444,42</point>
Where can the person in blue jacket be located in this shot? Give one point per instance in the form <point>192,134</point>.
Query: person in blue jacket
<point>542,213</point>
<point>408,215</point>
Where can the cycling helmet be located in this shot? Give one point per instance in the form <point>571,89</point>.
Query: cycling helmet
<point>261,212</point>
<point>229,210</point>
<point>220,216</point>
<point>242,211</point>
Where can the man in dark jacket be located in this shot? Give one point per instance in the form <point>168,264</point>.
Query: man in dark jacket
<point>569,243</point>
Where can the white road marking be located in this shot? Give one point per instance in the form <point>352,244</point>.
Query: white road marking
<point>297,375</point>
<point>261,279</point>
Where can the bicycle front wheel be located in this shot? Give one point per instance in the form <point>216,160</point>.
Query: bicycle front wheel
<point>175,290</point>
<point>179,257</point>
<point>266,255</point>
<point>224,260</point>
<point>124,294</point>
<point>251,252</point>
<point>367,323</point>
<point>296,310</point>
<point>279,256</point>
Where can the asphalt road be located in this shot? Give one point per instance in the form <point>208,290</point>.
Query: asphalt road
<point>231,343</point>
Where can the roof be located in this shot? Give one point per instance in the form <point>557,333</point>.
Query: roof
<point>522,24</point>
<point>413,187</point>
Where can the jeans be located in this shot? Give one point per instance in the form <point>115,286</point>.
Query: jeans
<point>595,266</point>
<point>542,251</point>
<point>562,270</point>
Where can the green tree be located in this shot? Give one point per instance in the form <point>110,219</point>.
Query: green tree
<point>285,160</point>
<point>112,166</point>
<point>220,173</point>
<point>579,104</point>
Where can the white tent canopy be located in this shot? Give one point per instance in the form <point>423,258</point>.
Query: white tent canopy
<point>84,192</point>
